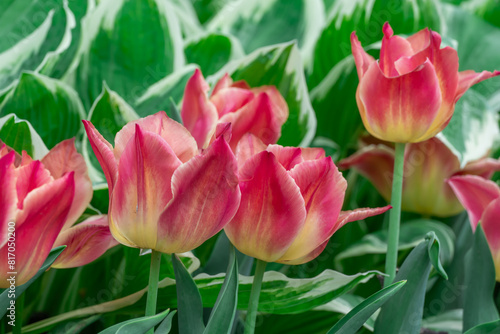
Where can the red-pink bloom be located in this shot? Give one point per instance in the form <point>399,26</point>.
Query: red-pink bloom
<point>409,94</point>
<point>291,200</point>
<point>164,194</point>
<point>427,165</point>
<point>481,199</point>
<point>260,111</point>
<point>44,199</point>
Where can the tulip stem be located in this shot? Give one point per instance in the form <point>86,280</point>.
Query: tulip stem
<point>19,315</point>
<point>395,215</point>
<point>260,268</point>
<point>154,273</point>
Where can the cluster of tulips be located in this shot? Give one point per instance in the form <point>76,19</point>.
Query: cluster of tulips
<point>172,186</point>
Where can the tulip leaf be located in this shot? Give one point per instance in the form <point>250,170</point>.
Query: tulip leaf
<point>166,325</point>
<point>486,328</point>
<point>189,305</point>
<point>20,135</point>
<point>53,108</point>
<point>355,319</point>
<point>448,321</point>
<point>279,295</point>
<point>130,45</point>
<point>81,325</point>
<point>398,315</point>
<point>224,310</point>
<point>5,299</point>
<point>479,306</point>
<point>136,326</point>
<point>279,65</point>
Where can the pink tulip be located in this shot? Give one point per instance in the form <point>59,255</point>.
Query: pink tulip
<point>481,199</point>
<point>427,165</point>
<point>164,194</point>
<point>260,111</point>
<point>290,202</point>
<point>409,94</point>
<point>42,200</point>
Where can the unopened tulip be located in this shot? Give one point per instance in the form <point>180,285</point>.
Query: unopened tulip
<point>427,165</point>
<point>291,200</point>
<point>164,194</point>
<point>409,94</point>
<point>39,203</point>
<point>260,111</point>
<point>481,199</point>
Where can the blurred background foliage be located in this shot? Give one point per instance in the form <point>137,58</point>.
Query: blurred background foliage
<point>112,61</point>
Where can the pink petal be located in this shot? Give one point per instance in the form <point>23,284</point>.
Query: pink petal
<point>30,177</point>
<point>323,188</point>
<point>362,59</point>
<point>177,136</point>
<point>64,158</point>
<point>359,214</point>
<point>393,48</point>
<point>240,84</point>
<point>85,242</point>
<point>280,107</point>
<point>399,109</point>
<point>272,210</point>
<point>491,227</point>
<point>104,154</point>
<point>143,189</point>
<point>467,79</point>
<point>312,153</point>
<point>8,195</point>
<point>483,167</point>
<point>223,83</point>
<point>4,150</point>
<point>37,227</point>
<point>198,114</point>
<point>475,194</point>
<point>288,157</point>
<point>247,147</point>
<point>230,99</point>
<point>420,40</point>
<point>308,257</point>
<point>25,160</point>
<point>205,198</point>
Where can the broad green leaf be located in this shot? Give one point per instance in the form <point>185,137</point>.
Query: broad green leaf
<point>34,32</point>
<point>356,318</point>
<point>449,321</point>
<point>399,315</point>
<point>264,22</point>
<point>130,45</point>
<point>157,97</point>
<point>189,304</point>
<point>479,306</point>
<point>207,9</point>
<point>224,310</point>
<point>486,328</point>
<point>411,234</point>
<point>4,296</point>
<point>488,10</point>
<point>280,295</point>
<point>136,326</point>
<point>211,52</point>
<point>53,108</point>
<point>279,65</point>
<point>20,135</point>
<point>81,325</point>
<point>190,24</point>
<point>166,325</point>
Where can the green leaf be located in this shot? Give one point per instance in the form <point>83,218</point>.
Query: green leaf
<point>448,321</point>
<point>5,298</point>
<point>264,22</point>
<point>189,305</point>
<point>479,306</point>
<point>130,45</point>
<point>20,135</point>
<point>166,325</point>
<point>486,328</point>
<point>34,34</point>
<point>488,10</point>
<point>81,325</point>
<point>136,326</point>
<point>355,319</point>
<point>211,52</point>
<point>279,65</point>
<point>53,108</point>
<point>399,315</point>
<point>224,311</point>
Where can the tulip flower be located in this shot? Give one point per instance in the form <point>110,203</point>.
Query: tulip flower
<point>291,200</point>
<point>427,165</point>
<point>260,111</point>
<point>39,203</point>
<point>409,94</point>
<point>481,199</point>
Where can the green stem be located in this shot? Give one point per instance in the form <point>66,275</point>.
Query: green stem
<point>154,273</point>
<point>395,214</point>
<point>19,315</point>
<point>254,296</point>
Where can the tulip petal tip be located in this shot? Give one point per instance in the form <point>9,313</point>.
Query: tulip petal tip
<point>387,30</point>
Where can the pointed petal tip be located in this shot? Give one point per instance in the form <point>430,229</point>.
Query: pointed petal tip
<point>387,30</point>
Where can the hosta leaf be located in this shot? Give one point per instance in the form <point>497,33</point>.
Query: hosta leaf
<point>20,135</point>
<point>53,108</point>
<point>279,65</point>
<point>130,45</point>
